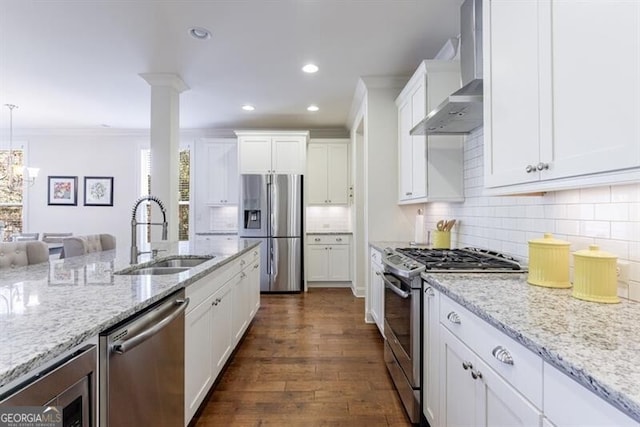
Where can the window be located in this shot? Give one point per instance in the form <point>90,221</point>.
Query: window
<point>183,188</point>
<point>10,195</point>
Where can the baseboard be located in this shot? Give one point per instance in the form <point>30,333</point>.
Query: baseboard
<point>329,284</point>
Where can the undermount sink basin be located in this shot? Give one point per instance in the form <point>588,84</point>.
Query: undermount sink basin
<point>181,262</point>
<point>167,266</point>
<point>154,271</point>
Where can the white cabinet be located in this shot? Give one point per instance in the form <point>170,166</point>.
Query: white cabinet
<point>216,172</point>
<point>431,354</point>
<point>567,403</point>
<point>377,289</point>
<point>272,152</point>
<point>557,116</point>
<point>328,258</point>
<point>430,167</point>
<point>222,305</point>
<point>473,394</point>
<point>327,172</point>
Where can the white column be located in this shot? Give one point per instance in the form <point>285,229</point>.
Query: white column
<point>165,146</point>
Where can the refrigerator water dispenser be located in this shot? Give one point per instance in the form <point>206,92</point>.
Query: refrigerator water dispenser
<point>252,219</point>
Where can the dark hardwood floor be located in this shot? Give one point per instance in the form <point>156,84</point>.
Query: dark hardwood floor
<point>307,360</point>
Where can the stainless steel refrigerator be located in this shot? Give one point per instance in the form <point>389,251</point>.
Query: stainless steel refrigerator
<point>271,211</point>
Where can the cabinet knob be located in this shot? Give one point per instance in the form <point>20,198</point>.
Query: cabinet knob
<point>530,168</point>
<point>429,291</point>
<point>503,355</point>
<point>467,365</point>
<point>543,166</point>
<point>339,239</point>
<point>408,194</point>
<point>330,248</point>
<point>317,239</point>
<point>242,275</point>
<point>326,201</point>
<point>242,262</point>
<point>329,201</point>
<point>453,317</point>
<point>476,374</point>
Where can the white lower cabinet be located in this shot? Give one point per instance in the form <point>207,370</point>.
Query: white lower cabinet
<point>328,258</point>
<point>221,308</point>
<point>473,394</point>
<point>489,379</point>
<point>567,403</point>
<point>431,355</point>
<point>377,289</point>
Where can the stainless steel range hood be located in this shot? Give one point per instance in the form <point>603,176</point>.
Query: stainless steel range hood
<point>461,112</point>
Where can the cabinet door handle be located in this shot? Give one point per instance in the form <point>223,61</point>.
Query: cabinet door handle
<point>429,291</point>
<point>503,355</point>
<point>543,166</point>
<point>453,317</point>
<point>378,273</point>
<point>317,239</point>
<point>530,168</point>
<point>408,194</point>
<point>339,239</point>
<point>242,262</point>
<point>256,266</point>
<point>476,374</point>
<point>467,365</point>
<point>242,275</point>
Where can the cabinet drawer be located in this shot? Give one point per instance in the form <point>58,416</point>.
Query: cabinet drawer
<point>199,291</point>
<point>249,258</point>
<point>328,239</point>
<point>518,365</point>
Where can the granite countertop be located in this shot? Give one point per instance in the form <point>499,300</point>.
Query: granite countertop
<point>47,309</point>
<point>596,344</point>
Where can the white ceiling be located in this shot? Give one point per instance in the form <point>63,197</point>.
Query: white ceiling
<point>76,63</point>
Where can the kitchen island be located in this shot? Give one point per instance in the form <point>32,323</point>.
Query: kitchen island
<point>595,344</point>
<point>48,309</point>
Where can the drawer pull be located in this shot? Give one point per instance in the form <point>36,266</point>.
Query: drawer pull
<point>453,317</point>
<point>476,374</point>
<point>503,355</point>
<point>467,365</point>
<point>242,262</point>
<point>378,273</point>
<point>256,266</point>
<point>338,239</point>
<point>429,292</point>
<point>317,239</point>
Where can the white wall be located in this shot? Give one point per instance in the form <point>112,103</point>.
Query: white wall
<point>608,216</point>
<point>83,154</point>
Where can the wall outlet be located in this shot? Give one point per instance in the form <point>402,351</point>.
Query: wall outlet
<point>622,270</point>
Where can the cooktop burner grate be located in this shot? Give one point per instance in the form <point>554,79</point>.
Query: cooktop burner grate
<point>465,259</point>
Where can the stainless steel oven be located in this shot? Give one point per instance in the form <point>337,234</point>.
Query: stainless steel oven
<point>403,332</point>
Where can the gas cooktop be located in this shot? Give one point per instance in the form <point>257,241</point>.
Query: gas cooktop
<point>412,261</point>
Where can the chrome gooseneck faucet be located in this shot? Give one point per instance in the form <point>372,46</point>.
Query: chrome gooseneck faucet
<point>135,223</point>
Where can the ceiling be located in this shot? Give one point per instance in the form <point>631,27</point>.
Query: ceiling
<point>76,63</point>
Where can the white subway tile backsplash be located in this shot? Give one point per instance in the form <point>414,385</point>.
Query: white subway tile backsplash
<point>608,216</point>
<point>595,195</point>
<point>328,218</point>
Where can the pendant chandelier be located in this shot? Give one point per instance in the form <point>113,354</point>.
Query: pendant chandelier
<point>27,175</point>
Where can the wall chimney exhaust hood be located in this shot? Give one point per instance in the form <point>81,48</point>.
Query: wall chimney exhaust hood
<point>461,112</point>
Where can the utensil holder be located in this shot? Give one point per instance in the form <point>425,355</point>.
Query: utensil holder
<point>595,276</point>
<point>441,239</point>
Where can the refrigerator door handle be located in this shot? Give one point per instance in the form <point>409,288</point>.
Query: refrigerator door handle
<point>274,263</point>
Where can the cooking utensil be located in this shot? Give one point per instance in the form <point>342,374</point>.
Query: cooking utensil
<point>440,225</point>
<point>449,225</point>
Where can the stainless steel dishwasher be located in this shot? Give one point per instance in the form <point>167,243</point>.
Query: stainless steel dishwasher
<point>142,367</point>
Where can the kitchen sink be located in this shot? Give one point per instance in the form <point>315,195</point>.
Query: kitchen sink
<point>181,262</point>
<point>153,271</point>
<point>166,266</point>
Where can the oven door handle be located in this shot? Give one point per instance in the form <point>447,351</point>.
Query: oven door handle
<point>394,288</point>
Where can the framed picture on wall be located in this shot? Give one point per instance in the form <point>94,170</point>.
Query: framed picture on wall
<point>98,191</point>
<point>63,190</point>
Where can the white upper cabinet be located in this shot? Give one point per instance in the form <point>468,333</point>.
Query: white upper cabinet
<point>217,172</point>
<point>430,167</point>
<point>272,152</point>
<point>562,95</point>
<point>327,172</point>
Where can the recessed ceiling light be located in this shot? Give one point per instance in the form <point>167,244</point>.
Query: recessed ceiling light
<point>312,108</point>
<point>310,68</point>
<point>199,33</point>
<point>248,107</point>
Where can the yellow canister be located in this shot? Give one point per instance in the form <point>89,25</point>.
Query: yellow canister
<point>549,262</point>
<point>595,278</point>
